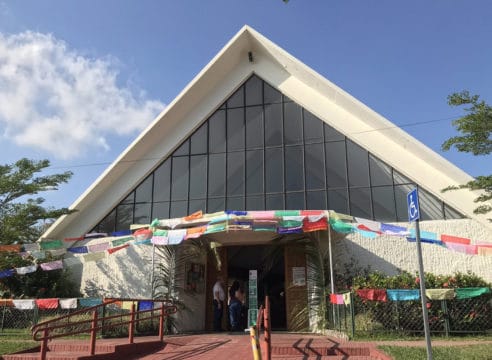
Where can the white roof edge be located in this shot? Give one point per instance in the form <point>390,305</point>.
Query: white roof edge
<point>295,68</point>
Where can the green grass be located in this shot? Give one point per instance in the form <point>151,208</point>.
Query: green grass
<point>469,352</point>
<point>382,336</point>
<point>11,346</point>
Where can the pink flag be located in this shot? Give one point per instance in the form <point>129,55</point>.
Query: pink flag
<point>54,265</point>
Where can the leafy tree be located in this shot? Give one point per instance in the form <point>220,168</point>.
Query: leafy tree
<point>22,220</point>
<point>476,129</point>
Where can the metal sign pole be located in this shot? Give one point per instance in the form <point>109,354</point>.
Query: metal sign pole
<point>422,292</point>
<point>414,215</point>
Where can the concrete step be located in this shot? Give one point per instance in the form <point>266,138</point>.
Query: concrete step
<point>81,351</point>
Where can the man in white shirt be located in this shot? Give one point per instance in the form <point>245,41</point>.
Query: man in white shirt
<point>219,298</point>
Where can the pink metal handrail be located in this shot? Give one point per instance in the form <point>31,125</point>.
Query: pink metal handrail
<point>46,327</point>
<point>264,316</point>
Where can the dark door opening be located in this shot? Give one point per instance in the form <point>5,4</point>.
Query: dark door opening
<point>268,260</point>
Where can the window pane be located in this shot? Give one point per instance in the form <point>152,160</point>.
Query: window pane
<point>336,167</point>
<point>383,199</point>
<point>216,175</point>
<point>292,123</point>
<point>401,192</point>
<point>294,166</point>
<point>198,176</point>
<point>271,94</point>
<point>130,199</point>
<point>254,172</point>
<point>124,217</point>
<point>255,203</point>
<point>254,94</point>
<point>360,202</point>
<point>275,202</point>
<point>294,201</point>
<point>452,213</point>
<point>179,209</point>
<point>315,167</point>
<point>142,213</point>
<point>338,200</point>
<point>214,205</point>
<point>237,99</point>
<point>431,208</point>
<point>358,165</point>
<point>254,127</point>
<point>313,128</point>
<point>235,129</point>
<point>143,193</point>
<point>180,178</point>
<point>235,173</point>
<point>316,200</point>
<point>108,224</point>
<point>197,205</point>
<point>160,210</point>
<point>273,125</point>
<point>184,149</point>
<point>400,179</point>
<point>235,203</point>
<point>332,135</point>
<point>380,172</point>
<point>217,132</point>
<point>162,184</point>
<point>274,168</point>
<point>199,140</point>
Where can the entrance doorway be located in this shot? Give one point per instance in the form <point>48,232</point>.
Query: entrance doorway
<point>268,260</point>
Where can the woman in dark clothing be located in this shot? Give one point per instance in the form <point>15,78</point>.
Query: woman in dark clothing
<point>236,297</point>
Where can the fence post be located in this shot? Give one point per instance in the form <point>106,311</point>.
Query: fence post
<point>352,313</point>
<point>161,323</point>
<point>444,307</point>
<point>131,326</point>
<point>397,315</point>
<point>103,318</point>
<point>93,332</point>
<point>3,314</point>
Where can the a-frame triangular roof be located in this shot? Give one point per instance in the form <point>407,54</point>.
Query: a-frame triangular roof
<point>246,53</point>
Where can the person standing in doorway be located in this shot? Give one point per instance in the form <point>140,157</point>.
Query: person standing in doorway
<point>219,298</point>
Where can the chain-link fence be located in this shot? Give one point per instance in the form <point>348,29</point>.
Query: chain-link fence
<point>446,317</point>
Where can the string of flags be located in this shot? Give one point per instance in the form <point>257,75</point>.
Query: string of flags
<point>75,303</point>
<point>384,295</point>
<point>175,231</point>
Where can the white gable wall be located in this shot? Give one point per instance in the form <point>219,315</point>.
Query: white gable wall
<point>215,83</point>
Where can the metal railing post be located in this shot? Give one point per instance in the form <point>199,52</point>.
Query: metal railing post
<point>93,332</point>
<point>44,345</point>
<point>131,325</point>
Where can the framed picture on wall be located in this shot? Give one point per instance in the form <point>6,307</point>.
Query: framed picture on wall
<point>195,277</point>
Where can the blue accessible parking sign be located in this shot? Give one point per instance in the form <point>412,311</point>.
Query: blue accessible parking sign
<point>413,205</point>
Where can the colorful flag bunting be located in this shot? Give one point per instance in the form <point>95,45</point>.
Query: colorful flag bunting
<point>53,265</point>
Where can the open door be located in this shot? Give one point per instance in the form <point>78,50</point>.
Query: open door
<point>296,288</point>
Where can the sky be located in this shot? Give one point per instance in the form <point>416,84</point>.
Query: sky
<point>79,80</point>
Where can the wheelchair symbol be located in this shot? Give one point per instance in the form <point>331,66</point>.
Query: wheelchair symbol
<point>413,209</point>
<point>413,205</point>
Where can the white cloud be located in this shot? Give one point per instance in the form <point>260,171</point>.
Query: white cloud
<point>54,99</point>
